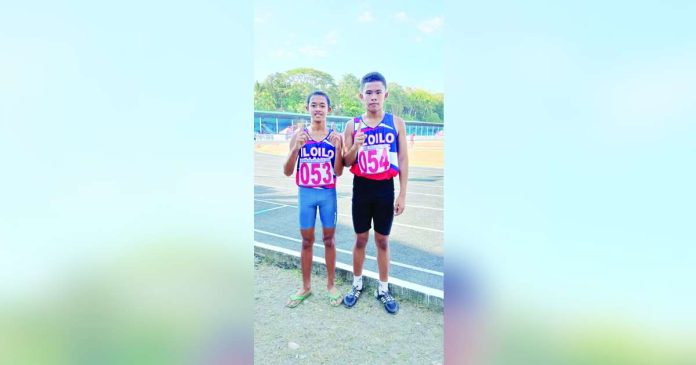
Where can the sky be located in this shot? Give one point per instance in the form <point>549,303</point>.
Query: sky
<point>402,40</point>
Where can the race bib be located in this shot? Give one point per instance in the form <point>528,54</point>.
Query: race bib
<point>374,159</point>
<point>315,174</point>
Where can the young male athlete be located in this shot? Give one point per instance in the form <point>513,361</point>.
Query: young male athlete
<point>375,148</point>
<point>316,156</point>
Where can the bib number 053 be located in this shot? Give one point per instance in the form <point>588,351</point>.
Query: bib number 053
<point>313,174</point>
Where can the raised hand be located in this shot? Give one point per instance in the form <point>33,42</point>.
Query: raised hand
<point>359,138</point>
<point>336,139</point>
<point>301,138</point>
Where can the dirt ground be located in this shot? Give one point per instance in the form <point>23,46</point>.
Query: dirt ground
<point>317,333</point>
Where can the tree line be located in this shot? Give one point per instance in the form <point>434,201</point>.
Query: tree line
<point>287,92</point>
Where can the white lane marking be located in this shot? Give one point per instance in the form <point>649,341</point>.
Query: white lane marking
<point>270,209</point>
<point>373,258</point>
<point>274,202</point>
<point>349,216</point>
<point>371,274</point>
<point>414,227</point>
<point>346,197</point>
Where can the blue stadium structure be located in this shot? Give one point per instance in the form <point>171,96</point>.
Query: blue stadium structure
<point>267,122</point>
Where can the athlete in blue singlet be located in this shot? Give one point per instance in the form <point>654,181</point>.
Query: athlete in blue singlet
<point>316,157</point>
<point>375,148</point>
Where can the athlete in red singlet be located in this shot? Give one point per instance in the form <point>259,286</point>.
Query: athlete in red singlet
<point>375,148</point>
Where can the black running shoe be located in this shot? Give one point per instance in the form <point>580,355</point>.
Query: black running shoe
<point>351,298</point>
<point>389,302</point>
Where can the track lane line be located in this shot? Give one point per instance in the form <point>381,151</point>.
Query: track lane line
<point>349,216</point>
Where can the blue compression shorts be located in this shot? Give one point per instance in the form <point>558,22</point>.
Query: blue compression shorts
<point>309,199</point>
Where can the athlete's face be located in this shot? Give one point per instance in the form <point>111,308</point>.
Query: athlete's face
<point>318,107</point>
<point>373,95</point>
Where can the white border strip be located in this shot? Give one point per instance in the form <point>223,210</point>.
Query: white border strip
<point>371,274</point>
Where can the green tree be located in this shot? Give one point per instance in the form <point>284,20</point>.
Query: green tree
<point>439,108</point>
<point>346,101</point>
<point>311,79</point>
<point>397,100</point>
<point>263,100</point>
<point>287,91</point>
<point>300,82</point>
<point>277,87</point>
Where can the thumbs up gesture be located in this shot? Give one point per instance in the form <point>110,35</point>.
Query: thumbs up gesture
<point>336,139</point>
<point>301,138</point>
<point>359,137</point>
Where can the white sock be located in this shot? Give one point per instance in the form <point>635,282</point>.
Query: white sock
<point>357,281</point>
<point>383,286</point>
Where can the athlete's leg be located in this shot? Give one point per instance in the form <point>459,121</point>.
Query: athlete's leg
<point>306,257</point>
<point>329,214</point>
<point>307,217</point>
<point>382,243</point>
<point>362,220</point>
<point>383,294</point>
<point>358,259</point>
<point>362,211</point>
<point>330,256</point>
<point>359,252</point>
<point>384,217</point>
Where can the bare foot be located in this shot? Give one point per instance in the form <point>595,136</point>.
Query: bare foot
<point>335,297</point>
<point>298,297</point>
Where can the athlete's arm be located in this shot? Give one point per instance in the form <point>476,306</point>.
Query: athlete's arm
<point>400,203</point>
<point>298,139</point>
<point>338,164</point>
<point>351,152</point>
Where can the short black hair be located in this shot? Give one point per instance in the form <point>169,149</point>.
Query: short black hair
<point>373,76</point>
<point>320,93</point>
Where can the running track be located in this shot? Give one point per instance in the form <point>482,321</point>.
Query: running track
<point>416,240</point>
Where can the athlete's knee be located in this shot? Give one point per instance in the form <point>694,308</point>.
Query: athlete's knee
<point>329,241</point>
<point>361,240</point>
<point>307,242</point>
<point>382,242</point>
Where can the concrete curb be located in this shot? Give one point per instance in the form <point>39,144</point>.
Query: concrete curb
<point>427,297</point>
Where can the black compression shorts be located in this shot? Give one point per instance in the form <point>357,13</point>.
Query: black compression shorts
<point>373,200</point>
